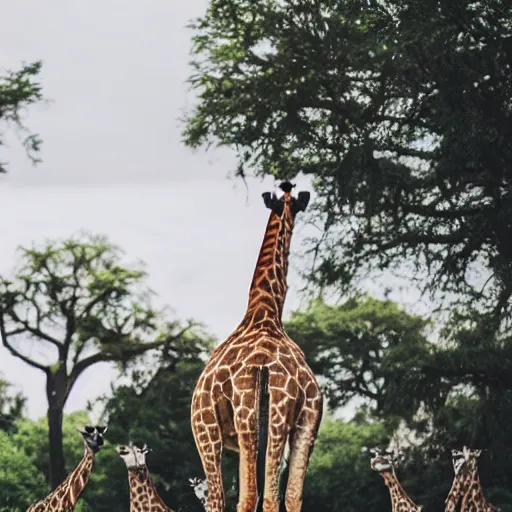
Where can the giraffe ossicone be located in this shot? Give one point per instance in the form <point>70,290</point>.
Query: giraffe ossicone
<point>65,496</point>
<point>257,394</point>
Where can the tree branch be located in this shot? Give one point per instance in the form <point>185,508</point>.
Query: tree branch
<point>4,335</point>
<point>125,353</point>
<point>34,330</point>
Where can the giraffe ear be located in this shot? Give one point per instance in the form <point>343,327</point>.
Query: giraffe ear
<point>273,203</point>
<point>301,202</point>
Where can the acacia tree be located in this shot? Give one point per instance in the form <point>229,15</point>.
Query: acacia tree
<point>18,90</point>
<point>399,110</point>
<point>76,300</point>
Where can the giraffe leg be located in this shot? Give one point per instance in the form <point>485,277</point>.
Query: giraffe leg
<point>277,438</point>
<point>209,445</point>
<point>246,428</point>
<point>248,493</point>
<point>302,441</point>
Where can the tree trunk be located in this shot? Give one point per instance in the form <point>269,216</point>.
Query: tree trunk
<point>56,385</point>
<point>57,462</point>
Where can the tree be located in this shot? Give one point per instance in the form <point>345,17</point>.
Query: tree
<point>18,90</point>
<point>365,349</point>
<point>398,110</point>
<point>76,299</point>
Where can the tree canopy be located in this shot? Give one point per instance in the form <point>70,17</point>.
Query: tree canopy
<point>363,349</point>
<point>18,90</point>
<point>399,111</point>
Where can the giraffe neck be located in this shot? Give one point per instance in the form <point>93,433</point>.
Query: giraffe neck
<point>459,487</point>
<point>137,481</point>
<point>143,494</point>
<point>268,288</point>
<point>66,495</point>
<point>475,495</point>
<point>399,497</point>
<point>155,501</point>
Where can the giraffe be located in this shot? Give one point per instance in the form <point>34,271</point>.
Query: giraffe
<point>257,395</point>
<point>400,501</point>
<point>143,494</point>
<point>461,479</point>
<point>65,496</point>
<point>474,500</point>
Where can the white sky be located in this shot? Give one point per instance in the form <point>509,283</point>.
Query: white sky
<point>114,164</point>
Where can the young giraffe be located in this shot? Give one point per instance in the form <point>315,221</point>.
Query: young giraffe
<point>143,494</point>
<point>257,395</point>
<point>65,496</point>
<point>461,480</point>
<point>474,500</point>
<point>400,502</point>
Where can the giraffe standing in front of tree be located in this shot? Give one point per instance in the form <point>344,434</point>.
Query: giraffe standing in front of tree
<point>257,395</point>
<point>65,496</point>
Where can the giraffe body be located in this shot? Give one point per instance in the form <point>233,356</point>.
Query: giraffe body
<point>400,501</point>
<point>64,498</point>
<point>143,494</point>
<point>257,395</point>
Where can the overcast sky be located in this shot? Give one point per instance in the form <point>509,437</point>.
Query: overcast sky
<point>113,163</point>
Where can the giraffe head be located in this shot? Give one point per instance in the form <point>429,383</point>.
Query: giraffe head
<point>93,437</point>
<point>134,456</point>
<point>277,205</point>
<point>384,462</point>
<point>465,460</point>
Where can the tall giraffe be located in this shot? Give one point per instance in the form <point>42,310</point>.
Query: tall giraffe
<point>257,395</point>
<point>461,479</point>
<point>65,496</point>
<point>400,501</point>
<point>474,500</point>
<point>143,494</point>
